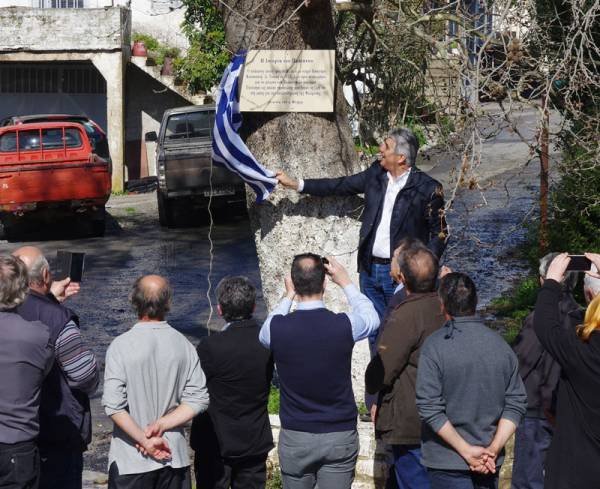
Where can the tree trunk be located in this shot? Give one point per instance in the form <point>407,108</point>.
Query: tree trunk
<point>304,145</point>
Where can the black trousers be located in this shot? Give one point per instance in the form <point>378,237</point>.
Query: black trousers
<point>19,466</point>
<point>165,478</point>
<point>215,472</point>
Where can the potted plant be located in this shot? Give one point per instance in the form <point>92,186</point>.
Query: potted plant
<point>169,56</point>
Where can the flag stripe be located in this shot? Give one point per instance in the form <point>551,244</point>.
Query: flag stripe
<point>228,148</point>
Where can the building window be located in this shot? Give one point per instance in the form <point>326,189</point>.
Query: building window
<point>62,4</point>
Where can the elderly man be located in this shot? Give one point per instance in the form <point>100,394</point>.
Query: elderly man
<point>393,371</point>
<point>400,201</point>
<point>65,419</point>
<point>26,356</point>
<point>312,348</point>
<point>469,394</point>
<point>233,439</point>
<point>152,379</point>
<point>540,373</point>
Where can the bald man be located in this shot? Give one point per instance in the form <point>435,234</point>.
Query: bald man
<point>153,385</point>
<point>65,418</point>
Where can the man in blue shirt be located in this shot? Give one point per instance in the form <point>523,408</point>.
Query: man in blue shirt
<point>312,349</point>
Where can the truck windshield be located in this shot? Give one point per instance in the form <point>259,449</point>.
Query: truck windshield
<point>192,125</point>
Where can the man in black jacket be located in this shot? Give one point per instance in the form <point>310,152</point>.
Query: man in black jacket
<point>400,201</point>
<point>231,441</point>
<point>540,373</point>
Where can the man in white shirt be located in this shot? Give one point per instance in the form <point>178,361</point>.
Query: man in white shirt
<point>400,201</point>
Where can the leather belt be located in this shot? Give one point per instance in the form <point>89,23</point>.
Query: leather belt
<point>381,261</point>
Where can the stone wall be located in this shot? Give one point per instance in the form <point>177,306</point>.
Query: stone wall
<point>44,30</point>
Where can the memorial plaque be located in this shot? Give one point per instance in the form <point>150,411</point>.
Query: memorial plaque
<point>288,81</point>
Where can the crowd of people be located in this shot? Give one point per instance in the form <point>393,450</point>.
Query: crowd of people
<point>445,392</point>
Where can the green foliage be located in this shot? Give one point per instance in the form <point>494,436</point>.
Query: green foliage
<point>273,404</point>
<point>207,56</point>
<point>575,218</point>
<point>362,408</point>
<point>156,49</point>
<point>274,480</point>
<point>150,42</point>
<point>515,305</point>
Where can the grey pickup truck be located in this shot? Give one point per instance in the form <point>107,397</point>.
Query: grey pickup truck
<point>186,174</point>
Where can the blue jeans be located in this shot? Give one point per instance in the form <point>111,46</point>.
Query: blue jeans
<point>462,479</point>
<point>410,474</point>
<point>60,468</point>
<point>532,440</point>
<point>379,288</point>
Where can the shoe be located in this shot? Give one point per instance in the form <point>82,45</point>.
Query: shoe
<point>365,418</point>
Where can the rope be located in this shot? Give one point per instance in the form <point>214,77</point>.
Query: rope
<point>210,250</point>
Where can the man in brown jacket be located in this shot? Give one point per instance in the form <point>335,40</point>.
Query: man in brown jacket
<point>393,371</point>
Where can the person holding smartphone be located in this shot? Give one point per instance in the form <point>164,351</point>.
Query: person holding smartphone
<point>574,453</point>
<point>65,416</point>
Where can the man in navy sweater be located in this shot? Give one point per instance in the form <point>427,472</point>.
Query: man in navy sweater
<point>312,349</point>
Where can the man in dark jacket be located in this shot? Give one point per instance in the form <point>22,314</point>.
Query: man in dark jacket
<point>540,374</point>
<point>65,419</point>
<point>232,439</point>
<point>393,371</point>
<point>26,355</point>
<point>400,201</point>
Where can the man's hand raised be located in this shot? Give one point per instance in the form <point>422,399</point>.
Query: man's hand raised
<point>595,259</point>
<point>558,267</point>
<point>290,291</point>
<point>63,289</point>
<point>337,273</point>
<point>285,180</point>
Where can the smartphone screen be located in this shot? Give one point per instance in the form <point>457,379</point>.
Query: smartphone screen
<point>69,264</point>
<point>579,263</point>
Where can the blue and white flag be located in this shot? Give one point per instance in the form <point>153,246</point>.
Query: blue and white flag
<point>228,149</point>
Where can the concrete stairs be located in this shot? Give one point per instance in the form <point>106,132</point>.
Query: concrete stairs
<point>168,81</point>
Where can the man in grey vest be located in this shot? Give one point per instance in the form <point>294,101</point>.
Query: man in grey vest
<point>26,356</point>
<point>312,349</point>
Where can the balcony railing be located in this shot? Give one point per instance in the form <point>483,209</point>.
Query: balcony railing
<point>67,3</point>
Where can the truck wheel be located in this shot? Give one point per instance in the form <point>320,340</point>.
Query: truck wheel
<point>99,224</point>
<point>165,211</point>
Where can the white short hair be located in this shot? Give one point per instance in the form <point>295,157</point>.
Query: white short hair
<point>592,283</point>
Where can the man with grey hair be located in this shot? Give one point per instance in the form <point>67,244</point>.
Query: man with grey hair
<point>153,385</point>
<point>231,441</point>
<point>400,201</point>
<point>540,374</point>
<point>65,415</point>
<point>26,355</point>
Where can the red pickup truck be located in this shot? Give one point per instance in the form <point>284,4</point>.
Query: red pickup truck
<point>52,168</point>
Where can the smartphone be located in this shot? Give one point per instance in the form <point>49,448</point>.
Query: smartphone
<point>579,263</point>
<point>69,264</point>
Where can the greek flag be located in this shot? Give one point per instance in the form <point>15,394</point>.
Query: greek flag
<point>228,149</point>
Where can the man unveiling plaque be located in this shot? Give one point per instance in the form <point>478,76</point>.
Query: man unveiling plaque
<point>288,81</point>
